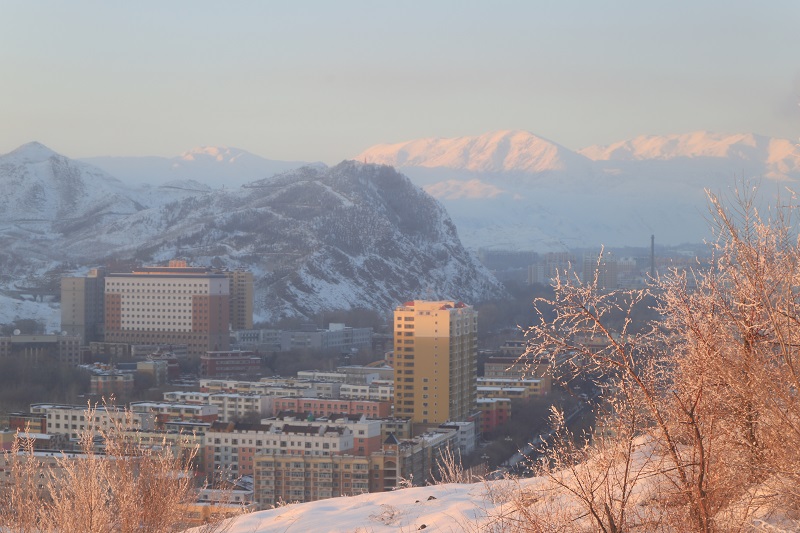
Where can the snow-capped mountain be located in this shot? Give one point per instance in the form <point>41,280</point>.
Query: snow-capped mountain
<point>211,165</point>
<point>494,152</point>
<point>516,190</point>
<point>743,147</point>
<point>350,236</point>
<point>41,186</point>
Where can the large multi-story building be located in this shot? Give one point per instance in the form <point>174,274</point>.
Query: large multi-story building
<point>169,305</point>
<point>82,306</point>
<point>435,361</point>
<point>149,306</point>
<point>240,289</point>
<point>64,349</point>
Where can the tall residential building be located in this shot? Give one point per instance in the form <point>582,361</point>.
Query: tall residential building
<point>169,305</point>
<point>82,303</point>
<point>435,358</point>
<point>240,290</point>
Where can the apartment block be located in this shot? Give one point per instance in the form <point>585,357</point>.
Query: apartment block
<point>72,420</point>
<point>531,386</point>
<point>327,406</point>
<point>494,413</point>
<point>234,406</point>
<point>82,306</point>
<point>378,390</point>
<point>231,447</point>
<point>435,361</point>
<point>167,411</point>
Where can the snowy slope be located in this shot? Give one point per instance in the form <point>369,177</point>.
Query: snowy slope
<point>439,508</point>
<point>490,506</point>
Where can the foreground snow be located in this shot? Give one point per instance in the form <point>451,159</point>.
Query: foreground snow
<point>446,508</point>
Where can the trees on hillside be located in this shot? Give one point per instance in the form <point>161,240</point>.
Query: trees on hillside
<point>701,411</point>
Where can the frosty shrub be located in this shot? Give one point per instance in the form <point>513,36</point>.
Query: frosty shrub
<point>125,488</point>
<point>700,412</point>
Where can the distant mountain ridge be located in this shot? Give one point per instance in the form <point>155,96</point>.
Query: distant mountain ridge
<point>499,151</point>
<point>214,166</point>
<point>513,189</point>
<point>349,236</point>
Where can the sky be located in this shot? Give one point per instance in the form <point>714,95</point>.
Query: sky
<point>322,80</point>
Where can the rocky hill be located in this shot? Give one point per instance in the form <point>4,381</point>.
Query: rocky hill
<point>349,236</point>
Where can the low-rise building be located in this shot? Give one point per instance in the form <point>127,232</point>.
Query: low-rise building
<point>167,411</point>
<point>231,447</point>
<point>65,349</point>
<point>328,406</point>
<point>377,390</point>
<point>236,406</point>
<point>466,437</point>
<point>111,383</point>
<point>532,386</point>
<point>229,364</point>
<point>72,420</point>
<point>494,413</point>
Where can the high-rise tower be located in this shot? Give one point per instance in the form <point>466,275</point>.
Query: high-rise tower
<point>82,303</point>
<point>435,361</point>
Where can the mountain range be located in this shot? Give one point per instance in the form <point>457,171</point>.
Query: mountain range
<point>216,166</point>
<point>316,238</point>
<point>360,234</point>
<point>515,190</point>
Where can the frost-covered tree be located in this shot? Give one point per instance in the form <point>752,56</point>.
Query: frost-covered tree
<point>700,416</point>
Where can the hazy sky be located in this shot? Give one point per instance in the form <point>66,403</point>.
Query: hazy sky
<point>311,81</point>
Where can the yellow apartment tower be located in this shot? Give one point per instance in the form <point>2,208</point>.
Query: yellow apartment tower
<point>435,361</point>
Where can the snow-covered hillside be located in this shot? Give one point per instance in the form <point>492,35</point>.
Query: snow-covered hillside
<point>438,508</point>
<point>352,236</point>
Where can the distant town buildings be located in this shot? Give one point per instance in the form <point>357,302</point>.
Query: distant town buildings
<point>337,338</point>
